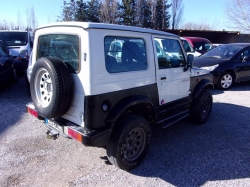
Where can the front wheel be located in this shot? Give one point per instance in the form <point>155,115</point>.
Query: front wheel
<point>129,142</point>
<point>225,81</point>
<point>201,107</point>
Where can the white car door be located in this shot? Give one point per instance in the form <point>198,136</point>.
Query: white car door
<point>172,81</point>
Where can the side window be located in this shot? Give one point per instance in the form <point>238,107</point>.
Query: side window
<point>244,53</point>
<point>171,55</point>
<point>124,54</point>
<point>62,46</point>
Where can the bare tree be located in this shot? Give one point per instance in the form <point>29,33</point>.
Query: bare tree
<point>19,25</point>
<point>28,19</point>
<point>203,25</point>
<point>108,12</point>
<point>177,12</point>
<point>238,14</point>
<point>31,19</point>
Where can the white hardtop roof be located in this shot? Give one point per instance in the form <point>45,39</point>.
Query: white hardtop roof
<point>90,25</point>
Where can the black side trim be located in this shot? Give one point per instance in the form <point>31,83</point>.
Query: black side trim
<point>95,117</point>
<point>172,109</point>
<point>199,84</point>
<point>126,103</point>
<point>94,138</point>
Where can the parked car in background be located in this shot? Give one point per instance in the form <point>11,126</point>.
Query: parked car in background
<point>20,44</point>
<point>202,45</point>
<point>228,63</point>
<point>7,70</point>
<point>188,48</point>
<point>216,45</point>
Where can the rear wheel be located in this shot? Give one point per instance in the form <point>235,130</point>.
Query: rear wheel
<point>129,142</point>
<point>225,81</point>
<point>201,107</point>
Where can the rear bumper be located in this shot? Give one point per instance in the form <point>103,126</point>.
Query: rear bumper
<point>95,138</point>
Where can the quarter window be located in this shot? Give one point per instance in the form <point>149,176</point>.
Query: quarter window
<point>125,54</point>
<point>62,46</point>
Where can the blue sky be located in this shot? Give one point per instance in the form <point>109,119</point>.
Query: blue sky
<point>210,11</point>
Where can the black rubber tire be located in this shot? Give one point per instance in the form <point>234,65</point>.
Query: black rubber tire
<point>137,132</point>
<point>201,107</point>
<point>224,86</point>
<point>60,82</point>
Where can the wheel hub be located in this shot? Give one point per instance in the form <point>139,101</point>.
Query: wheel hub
<point>44,87</point>
<point>134,144</point>
<point>205,107</point>
<point>226,81</point>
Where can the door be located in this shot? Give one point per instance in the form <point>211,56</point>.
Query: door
<point>243,66</point>
<point>172,81</point>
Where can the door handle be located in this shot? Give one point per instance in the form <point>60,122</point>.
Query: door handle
<point>163,78</point>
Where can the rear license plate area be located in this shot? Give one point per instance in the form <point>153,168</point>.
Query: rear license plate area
<point>54,124</point>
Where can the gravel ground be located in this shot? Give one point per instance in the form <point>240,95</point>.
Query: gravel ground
<point>214,154</point>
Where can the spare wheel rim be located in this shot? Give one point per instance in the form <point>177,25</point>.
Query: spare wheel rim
<point>226,81</point>
<point>43,87</point>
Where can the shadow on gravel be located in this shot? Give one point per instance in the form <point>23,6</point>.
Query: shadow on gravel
<point>189,155</point>
<point>13,98</point>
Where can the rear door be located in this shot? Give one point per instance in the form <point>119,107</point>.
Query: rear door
<point>172,81</point>
<point>243,66</point>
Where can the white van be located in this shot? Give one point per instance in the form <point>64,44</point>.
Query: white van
<point>20,44</point>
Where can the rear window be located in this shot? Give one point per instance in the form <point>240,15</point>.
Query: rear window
<point>202,46</point>
<point>14,38</point>
<point>62,46</point>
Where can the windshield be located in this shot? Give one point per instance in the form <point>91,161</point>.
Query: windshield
<point>202,46</point>
<point>223,52</point>
<point>187,46</point>
<point>14,38</point>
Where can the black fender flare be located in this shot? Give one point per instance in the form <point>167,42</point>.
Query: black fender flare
<point>204,83</point>
<point>126,103</point>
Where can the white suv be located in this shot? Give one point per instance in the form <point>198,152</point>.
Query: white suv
<point>84,92</point>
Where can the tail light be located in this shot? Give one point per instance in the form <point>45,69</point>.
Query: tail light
<point>23,55</point>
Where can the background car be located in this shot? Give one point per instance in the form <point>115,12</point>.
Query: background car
<point>7,70</point>
<point>188,47</point>
<point>20,44</point>
<point>228,63</point>
<point>202,45</point>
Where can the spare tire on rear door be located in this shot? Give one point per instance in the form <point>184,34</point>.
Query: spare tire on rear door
<point>51,87</point>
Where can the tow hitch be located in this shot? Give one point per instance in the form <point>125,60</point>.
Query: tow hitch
<point>51,134</point>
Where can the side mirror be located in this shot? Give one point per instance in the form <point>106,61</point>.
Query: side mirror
<point>190,59</point>
<point>246,58</point>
